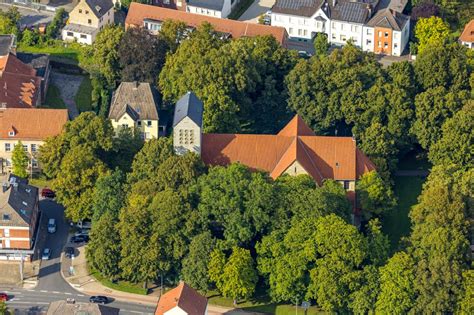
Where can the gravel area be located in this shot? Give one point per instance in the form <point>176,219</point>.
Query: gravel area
<point>68,85</point>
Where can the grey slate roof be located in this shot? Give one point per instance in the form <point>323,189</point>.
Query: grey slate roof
<point>17,202</point>
<point>297,7</point>
<point>216,5</point>
<point>389,19</point>
<point>78,28</point>
<point>398,5</point>
<point>139,100</point>
<point>347,11</point>
<point>38,61</point>
<point>6,44</point>
<point>100,7</point>
<point>188,106</point>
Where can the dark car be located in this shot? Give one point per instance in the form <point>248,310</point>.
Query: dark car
<point>47,193</point>
<point>69,252</point>
<point>79,239</point>
<point>3,297</point>
<point>99,299</point>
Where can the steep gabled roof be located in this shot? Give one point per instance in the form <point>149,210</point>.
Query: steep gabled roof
<point>138,100</point>
<point>188,106</point>
<point>184,297</point>
<point>17,202</point>
<point>468,33</point>
<point>322,157</point>
<point>100,7</point>
<point>389,18</point>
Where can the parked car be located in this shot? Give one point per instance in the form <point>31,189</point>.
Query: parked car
<point>69,252</point>
<point>46,254</point>
<point>82,232</point>
<point>304,54</point>
<point>84,225</point>
<point>51,225</point>
<point>3,297</point>
<point>48,193</point>
<point>99,299</point>
<point>79,239</point>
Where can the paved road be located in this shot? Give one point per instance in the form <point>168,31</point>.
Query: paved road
<point>256,9</point>
<point>52,286</point>
<point>30,17</point>
<point>36,301</point>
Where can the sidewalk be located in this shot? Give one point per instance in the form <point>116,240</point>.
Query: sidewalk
<point>82,281</point>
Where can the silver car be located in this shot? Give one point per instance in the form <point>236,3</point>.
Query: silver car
<point>46,254</point>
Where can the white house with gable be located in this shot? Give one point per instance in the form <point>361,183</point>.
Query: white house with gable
<point>187,122</point>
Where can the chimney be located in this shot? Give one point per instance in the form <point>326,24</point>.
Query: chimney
<point>369,9</point>
<point>135,85</point>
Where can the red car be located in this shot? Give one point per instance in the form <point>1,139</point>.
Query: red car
<point>3,297</point>
<point>48,193</point>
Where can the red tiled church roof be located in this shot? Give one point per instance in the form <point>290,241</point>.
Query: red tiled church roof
<point>468,33</point>
<point>322,157</point>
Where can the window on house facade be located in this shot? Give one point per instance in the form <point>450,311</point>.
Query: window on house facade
<point>369,31</point>
<point>80,10</point>
<point>333,25</point>
<point>342,26</point>
<point>395,35</point>
<point>6,217</point>
<point>346,184</point>
<point>87,12</point>
<point>386,34</point>
<point>380,33</point>
<point>89,21</point>
<point>8,162</point>
<point>395,45</point>
<point>290,30</point>
<point>380,44</point>
<point>369,42</point>
<point>83,36</point>
<point>11,133</point>
<point>8,147</point>
<point>25,147</point>
<point>149,123</point>
<point>333,36</point>
<point>385,45</point>
<point>33,148</point>
<point>343,38</point>
<point>70,34</point>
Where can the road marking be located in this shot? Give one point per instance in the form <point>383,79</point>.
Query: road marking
<point>56,292</point>
<point>67,293</point>
<point>31,290</point>
<point>80,295</point>
<point>13,292</point>
<point>44,291</point>
<point>136,312</point>
<point>25,302</point>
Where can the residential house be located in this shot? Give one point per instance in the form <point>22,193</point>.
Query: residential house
<point>31,127</point>
<point>344,20</point>
<point>79,308</point>
<point>39,62</point>
<point>87,19</point>
<point>20,87</point>
<point>134,105</point>
<point>152,17</point>
<point>387,33</point>
<point>19,219</point>
<point>215,8</point>
<point>294,150</point>
<point>467,36</point>
<point>182,300</point>
<point>171,4</point>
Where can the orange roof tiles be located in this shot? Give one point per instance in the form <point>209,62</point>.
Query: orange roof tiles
<point>322,157</point>
<point>31,123</point>
<point>138,12</point>
<point>468,33</point>
<point>184,297</point>
<point>19,85</point>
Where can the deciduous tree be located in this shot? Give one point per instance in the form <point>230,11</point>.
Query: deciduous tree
<point>321,44</point>
<point>429,31</point>
<point>375,195</point>
<point>20,160</point>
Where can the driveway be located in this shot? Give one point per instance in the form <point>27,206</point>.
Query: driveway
<point>256,9</point>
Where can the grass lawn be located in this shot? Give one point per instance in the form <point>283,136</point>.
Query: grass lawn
<point>396,223</point>
<point>83,97</point>
<point>71,52</point>
<point>240,9</point>
<point>414,161</point>
<point>120,285</point>
<point>262,305</point>
<point>53,98</point>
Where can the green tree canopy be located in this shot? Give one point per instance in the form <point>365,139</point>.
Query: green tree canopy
<point>321,44</point>
<point>20,160</point>
<point>374,194</point>
<point>108,195</point>
<point>10,21</point>
<point>173,33</point>
<point>432,30</point>
<point>141,55</point>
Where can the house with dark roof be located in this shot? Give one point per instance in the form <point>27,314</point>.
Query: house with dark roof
<point>295,150</point>
<point>182,300</point>
<point>343,21</point>
<point>39,62</point>
<point>7,44</point>
<point>135,105</point>
<point>19,215</point>
<point>152,17</point>
<point>87,19</point>
<point>31,127</point>
<point>467,36</point>
<point>215,8</point>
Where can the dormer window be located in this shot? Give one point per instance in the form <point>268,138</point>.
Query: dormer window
<point>6,217</point>
<point>11,133</point>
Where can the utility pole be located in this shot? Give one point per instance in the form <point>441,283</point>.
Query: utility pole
<point>296,306</point>
<point>161,287</point>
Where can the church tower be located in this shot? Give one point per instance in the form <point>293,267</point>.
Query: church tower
<point>187,124</point>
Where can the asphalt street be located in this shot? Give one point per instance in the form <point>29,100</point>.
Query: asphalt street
<point>51,286</point>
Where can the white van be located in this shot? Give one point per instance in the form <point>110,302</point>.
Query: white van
<point>51,226</point>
